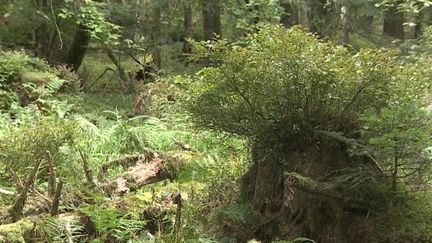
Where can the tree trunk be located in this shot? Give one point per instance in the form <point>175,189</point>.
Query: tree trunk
<point>188,27</point>
<point>211,12</point>
<point>42,33</point>
<point>344,25</point>
<point>78,48</point>
<point>300,204</point>
<point>156,35</point>
<point>418,30</point>
<point>127,83</point>
<point>56,200</point>
<point>317,18</point>
<point>16,211</point>
<point>393,23</point>
<point>290,16</point>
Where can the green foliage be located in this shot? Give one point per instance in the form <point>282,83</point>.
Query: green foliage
<point>406,219</point>
<point>21,146</point>
<point>238,214</point>
<point>113,223</point>
<point>91,15</point>
<point>399,138</point>
<point>60,229</point>
<point>30,81</point>
<point>287,84</point>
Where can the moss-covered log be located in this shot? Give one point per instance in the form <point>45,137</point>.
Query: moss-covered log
<point>17,232</point>
<point>295,181</point>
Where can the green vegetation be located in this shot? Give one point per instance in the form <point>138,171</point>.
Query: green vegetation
<point>215,121</point>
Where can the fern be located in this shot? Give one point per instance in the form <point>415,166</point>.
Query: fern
<point>54,86</point>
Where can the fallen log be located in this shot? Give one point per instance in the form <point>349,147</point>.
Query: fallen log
<point>126,162</point>
<point>6,192</point>
<point>147,170</point>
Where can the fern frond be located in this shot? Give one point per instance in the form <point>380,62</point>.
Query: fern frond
<point>54,86</point>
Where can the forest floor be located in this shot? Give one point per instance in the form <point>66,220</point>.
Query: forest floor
<point>194,173</point>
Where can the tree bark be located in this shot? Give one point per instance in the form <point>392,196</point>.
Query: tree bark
<point>290,16</point>
<point>393,23</point>
<point>78,48</point>
<point>56,200</point>
<point>16,211</point>
<point>156,35</point>
<point>127,84</point>
<point>188,27</point>
<point>418,30</point>
<point>52,175</point>
<point>317,17</point>
<point>344,25</point>
<point>148,168</point>
<point>211,12</point>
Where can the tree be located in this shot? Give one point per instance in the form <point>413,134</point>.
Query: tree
<point>290,14</point>
<point>394,22</point>
<point>188,27</point>
<point>399,138</point>
<point>78,48</point>
<point>211,14</point>
<point>344,24</point>
<point>319,17</point>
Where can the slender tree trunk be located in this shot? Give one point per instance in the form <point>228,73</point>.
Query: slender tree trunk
<point>395,174</point>
<point>211,12</point>
<point>418,30</point>
<point>393,23</point>
<point>78,48</point>
<point>188,27</point>
<point>127,83</point>
<point>56,200</point>
<point>290,16</point>
<point>16,211</point>
<point>344,25</point>
<point>156,35</point>
<point>317,17</point>
<point>42,32</point>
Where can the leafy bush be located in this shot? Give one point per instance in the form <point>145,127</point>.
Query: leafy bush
<point>21,146</point>
<point>288,84</point>
<point>27,80</point>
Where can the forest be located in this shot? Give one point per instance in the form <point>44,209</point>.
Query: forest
<point>216,121</point>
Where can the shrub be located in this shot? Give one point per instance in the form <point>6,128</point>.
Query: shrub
<point>21,146</point>
<point>288,84</point>
<point>24,79</point>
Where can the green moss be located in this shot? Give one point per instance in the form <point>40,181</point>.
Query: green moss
<point>16,232</point>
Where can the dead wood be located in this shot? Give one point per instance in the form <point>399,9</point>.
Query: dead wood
<point>87,171</point>
<point>126,162</point>
<point>6,192</point>
<point>17,180</point>
<point>148,169</point>
<point>185,146</point>
<point>16,212</point>
<point>295,182</point>
<point>52,175</point>
<point>56,199</point>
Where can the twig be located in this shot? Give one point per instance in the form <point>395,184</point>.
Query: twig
<point>17,180</point>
